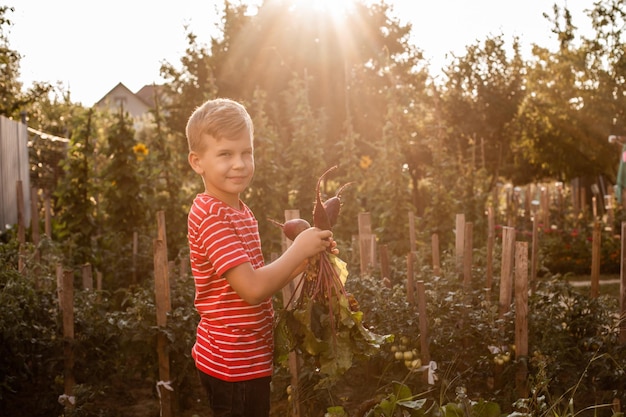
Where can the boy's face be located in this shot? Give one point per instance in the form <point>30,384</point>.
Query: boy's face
<point>226,166</point>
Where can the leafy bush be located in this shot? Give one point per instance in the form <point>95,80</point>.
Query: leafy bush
<point>570,250</point>
<point>114,346</point>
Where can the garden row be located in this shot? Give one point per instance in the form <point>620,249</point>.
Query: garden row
<point>423,285</point>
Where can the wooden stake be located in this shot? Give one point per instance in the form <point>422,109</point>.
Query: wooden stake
<point>410,279</point>
<point>460,242</point>
<point>423,323</point>
<point>534,252</point>
<point>365,242</point>
<point>467,255</point>
<point>35,233</point>
<point>384,262</point>
<point>288,294</point>
<point>34,216</point>
<point>47,216</point>
<point>288,290</point>
<point>98,286</point>
<point>66,302</point>
<point>622,288</point>
<point>21,227</point>
<point>163,306</point>
<point>412,243</point>
<point>506,271</point>
<point>595,259</point>
<point>434,244</point>
<point>491,239</point>
<point>521,318</point>
<point>87,277</point>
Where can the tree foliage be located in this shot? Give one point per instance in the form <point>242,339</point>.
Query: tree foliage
<point>357,94</point>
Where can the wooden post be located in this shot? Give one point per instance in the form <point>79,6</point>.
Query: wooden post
<point>575,197</point>
<point>595,259</point>
<point>410,279</point>
<point>35,234</point>
<point>384,262</point>
<point>288,290</point>
<point>534,258</point>
<point>467,255</point>
<point>98,286</point>
<point>47,215</point>
<point>183,267</point>
<point>583,199</point>
<point>608,204</point>
<point>87,277</point>
<point>521,318</point>
<point>34,219</point>
<point>288,295</point>
<point>491,239</point>
<point>434,245</point>
<point>412,232</point>
<point>21,227</point>
<point>594,206</point>
<point>545,207</point>
<point>506,271</point>
<point>460,242</point>
<point>59,276</point>
<point>66,305</point>
<point>365,242</point>
<point>161,236</point>
<point>163,306</point>
<point>423,323</point>
<point>622,288</point>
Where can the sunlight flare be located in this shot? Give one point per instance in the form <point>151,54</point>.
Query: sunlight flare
<point>335,9</point>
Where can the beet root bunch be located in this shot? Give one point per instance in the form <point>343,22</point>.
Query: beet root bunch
<point>322,321</point>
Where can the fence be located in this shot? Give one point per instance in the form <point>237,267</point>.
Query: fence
<point>14,169</point>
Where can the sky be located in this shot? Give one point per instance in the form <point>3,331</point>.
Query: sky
<point>89,47</point>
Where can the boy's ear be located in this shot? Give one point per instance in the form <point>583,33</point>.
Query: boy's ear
<point>194,161</point>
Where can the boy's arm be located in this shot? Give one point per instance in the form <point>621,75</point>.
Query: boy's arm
<point>257,285</point>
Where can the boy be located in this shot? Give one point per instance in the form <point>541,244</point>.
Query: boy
<point>234,341</point>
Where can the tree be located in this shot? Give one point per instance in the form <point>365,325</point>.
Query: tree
<point>10,87</point>
<point>482,95</point>
<point>555,132</point>
<point>188,87</point>
<point>124,198</point>
<point>13,101</point>
<point>74,192</point>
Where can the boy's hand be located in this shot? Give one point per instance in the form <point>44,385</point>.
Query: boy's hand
<point>314,240</point>
<point>333,247</point>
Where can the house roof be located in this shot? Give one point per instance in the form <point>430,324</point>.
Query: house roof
<point>147,94</point>
<point>118,87</point>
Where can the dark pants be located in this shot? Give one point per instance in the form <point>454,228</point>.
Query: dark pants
<point>237,399</point>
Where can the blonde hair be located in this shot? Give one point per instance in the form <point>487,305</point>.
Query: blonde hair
<point>221,118</point>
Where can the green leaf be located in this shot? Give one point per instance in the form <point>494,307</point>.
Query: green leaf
<point>486,409</point>
<point>336,411</point>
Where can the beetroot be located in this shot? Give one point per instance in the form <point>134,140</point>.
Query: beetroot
<point>332,206</point>
<point>320,217</point>
<point>292,228</point>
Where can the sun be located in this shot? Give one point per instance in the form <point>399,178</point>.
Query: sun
<point>335,9</point>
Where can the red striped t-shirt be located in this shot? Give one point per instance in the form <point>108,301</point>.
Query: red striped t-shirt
<point>234,339</point>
